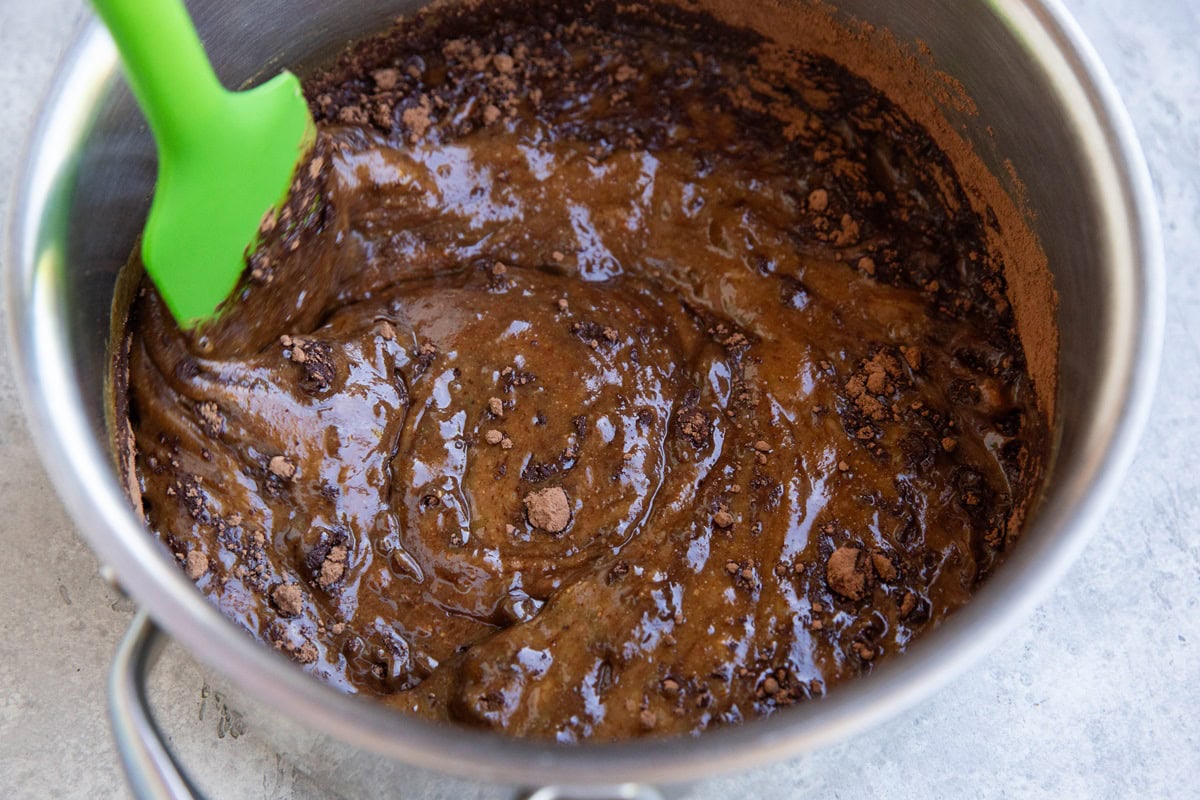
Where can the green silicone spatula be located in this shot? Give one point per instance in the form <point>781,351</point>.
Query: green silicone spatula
<point>225,159</point>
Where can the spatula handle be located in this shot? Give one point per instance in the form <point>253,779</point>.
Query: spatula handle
<point>165,64</point>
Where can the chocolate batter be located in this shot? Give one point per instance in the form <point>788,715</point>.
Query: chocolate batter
<point>609,372</point>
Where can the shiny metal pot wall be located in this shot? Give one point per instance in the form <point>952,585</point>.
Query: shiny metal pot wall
<point>1039,87</point>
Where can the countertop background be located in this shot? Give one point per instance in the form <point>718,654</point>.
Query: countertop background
<point>1096,696</point>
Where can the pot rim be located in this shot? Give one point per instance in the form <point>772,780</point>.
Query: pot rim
<point>83,473</point>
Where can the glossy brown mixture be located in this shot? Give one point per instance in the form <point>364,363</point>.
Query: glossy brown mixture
<point>608,373</point>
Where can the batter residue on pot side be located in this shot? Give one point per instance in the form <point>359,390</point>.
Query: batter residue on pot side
<point>609,372</point>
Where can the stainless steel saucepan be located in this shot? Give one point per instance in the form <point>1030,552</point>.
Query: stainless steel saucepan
<point>1044,103</point>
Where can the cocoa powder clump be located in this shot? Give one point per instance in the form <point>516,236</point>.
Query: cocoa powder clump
<point>283,467</point>
<point>288,599</point>
<point>846,573</point>
<point>195,565</point>
<point>334,566</point>
<point>883,567</point>
<point>548,509</point>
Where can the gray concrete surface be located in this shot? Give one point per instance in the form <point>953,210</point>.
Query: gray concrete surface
<point>1095,697</point>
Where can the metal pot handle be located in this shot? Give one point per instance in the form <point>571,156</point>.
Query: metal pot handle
<point>625,791</point>
<point>150,768</point>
